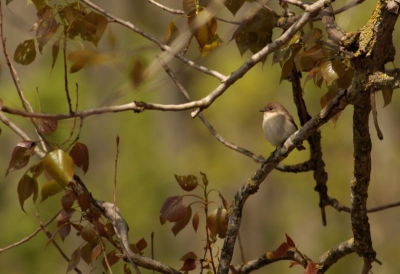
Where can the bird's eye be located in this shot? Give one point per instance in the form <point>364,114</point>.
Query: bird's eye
<point>270,108</point>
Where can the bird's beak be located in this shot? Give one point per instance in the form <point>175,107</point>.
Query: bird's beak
<point>261,110</point>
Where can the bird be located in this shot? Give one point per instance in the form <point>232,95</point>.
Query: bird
<point>278,124</point>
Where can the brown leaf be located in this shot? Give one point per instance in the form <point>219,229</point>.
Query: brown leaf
<point>173,210</point>
<point>96,251</point>
<point>80,154</point>
<point>289,241</point>
<point>21,154</point>
<point>187,183</point>
<point>45,31</point>
<point>64,229</point>
<point>84,200</point>
<point>195,221</point>
<point>68,200</point>
<point>325,100</point>
<point>189,261</point>
<point>47,125</point>
<point>99,22</point>
<point>65,215</point>
<point>86,253</point>
<point>137,73</point>
<point>233,5</point>
<point>217,223</point>
<point>25,53</point>
<point>141,245</point>
<point>26,187</point>
<point>178,226</point>
<point>310,37</point>
<point>224,202</point>
<point>111,259</point>
<point>75,258</point>
<point>189,5</point>
<point>282,249</point>
<point>54,52</point>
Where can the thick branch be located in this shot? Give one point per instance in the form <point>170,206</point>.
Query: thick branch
<point>335,254</point>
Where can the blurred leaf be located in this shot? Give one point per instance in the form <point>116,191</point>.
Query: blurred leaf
<point>60,166</point>
<point>49,189</point>
<point>80,154</point>
<point>233,5</point>
<point>289,241</point>
<point>126,269</point>
<point>204,178</point>
<point>216,42</point>
<point>173,210</point>
<point>282,249</point>
<point>84,200</point>
<point>65,215</point>
<point>75,258</point>
<point>189,261</point>
<point>86,253</point>
<point>64,229</point>
<point>310,37</point>
<point>141,245</point>
<point>195,221</point>
<point>325,100</point>
<point>45,31</point>
<point>21,155</point>
<point>189,5</point>
<point>312,56</point>
<point>89,234</point>
<point>178,226</point>
<point>96,251</point>
<point>137,72</point>
<point>80,58</point>
<point>68,200</point>
<point>26,187</point>
<point>99,22</point>
<point>54,52</point>
<point>344,81</point>
<point>311,268</point>
<point>40,4</point>
<point>187,183</point>
<point>47,125</point>
<point>112,259</point>
<point>224,202</point>
<point>387,96</point>
<point>171,34</point>
<point>25,52</point>
<point>8,2</point>
<point>217,223</point>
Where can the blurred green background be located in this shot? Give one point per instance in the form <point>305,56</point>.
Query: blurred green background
<point>156,145</point>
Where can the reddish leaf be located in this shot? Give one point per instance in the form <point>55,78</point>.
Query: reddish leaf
<point>50,189</point>
<point>60,166</point>
<point>84,200</point>
<point>100,228</point>
<point>96,251</point>
<point>77,227</point>
<point>111,259</point>
<point>189,261</point>
<point>64,229</point>
<point>126,269</point>
<point>293,264</point>
<point>86,253</point>
<point>289,241</point>
<point>89,234</point>
<point>26,187</point>
<point>80,154</point>
<point>75,258</point>
<point>282,249</point>
<point>65,215</point>
<point>224,202</point>
<point>195,221</point>
<point>141,244</point>
<point>48,125</point>
<point>178,226</point>
<point>173,210</point>
<point>217,223</point>
<point>21,155</point>
<point>311,268</point>
<point>187,183</point>
<point>25,53</point>
<point>68,200</point>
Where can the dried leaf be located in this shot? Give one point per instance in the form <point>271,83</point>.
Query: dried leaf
<point>60,166</point>
<point>187,183</point>
<point>68,200</point>
<point>84,200</point>
<point>217,223</point>
<point>171,34</point>
<point>195,221</point>
<point>21,154</point>
<point>224,202</point>
<point>178,226</point>
<point>310,37</point>
<point>173,210</point>
<point>289,241</point>
<point>26,187</point>
<point>325,100</point>
<point>86,253</point>
<point>25,53</point>
<point>112,259</point>
<point>99,22</point>
<point>50,189</point>
<point>204,178</point>
<point>65,215</point>
<point>80,154</point>
<point>137,73</point>
<point>54,52</point>
<point>45,31</point>
<point>47,125</point>
<point>75,258</point>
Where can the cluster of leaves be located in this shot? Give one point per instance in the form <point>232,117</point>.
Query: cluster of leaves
<point>176,211</point>
<point>73,21</point>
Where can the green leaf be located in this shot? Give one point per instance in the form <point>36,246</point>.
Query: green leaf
<point>26,187</point>
<point>25,53</point>
<point>50,189</point>
<point>60,166</point>
<point>328,72</point>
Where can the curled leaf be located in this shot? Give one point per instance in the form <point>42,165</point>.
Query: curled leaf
<point>217,223</point>
<point>21,155</point>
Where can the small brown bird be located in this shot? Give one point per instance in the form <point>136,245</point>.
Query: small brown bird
<point>278,124</point>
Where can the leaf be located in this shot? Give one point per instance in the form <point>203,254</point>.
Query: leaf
<point>112,259</point>
<point>99,22</point>
<point>26,187</point>
<point>25,53</point>
<point>282,249</point>
<point>141,245</point>
<point>189,261</point>
<point>50,189</point>
<point>195,221</point>
<point>216,42</point>
<point>233,5</point>
<point>204,178</point>
<point>387,96</point>
<point>178,226</point>
<point>75,258</point>
<point>60,166</point>
<point>96,251</point>
<point>65,215</point>
<point>68,200</point>
<point>325,100</point>
<point>224,202</point>
<point>187,183</point>
<point>88,233</point>
<point>64,229</point>
<point>171,34</point>
<point>86,253</point>
<point>328,72</point>
<point>310,37</point>
<point>189,5</point>
<point>289,241</point>
<point>84,200</point>
<point>311,57</point>
<point>21,154</point>
<point>217,223</point>
<point>173,210</point>
<point>47,125</point>
<point>45,31</point>
<point>311,268</point>
<point>80,58</point>
<point>203,26</point>
<point>137,73</point>
<point>80,154</point>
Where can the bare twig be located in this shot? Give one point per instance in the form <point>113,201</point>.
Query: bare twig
<point>115,175</point>
<point>173,11</point>
<point>48,234</point>
<point>33,234</point>
<point>375,116</point>
<point>66,71</point>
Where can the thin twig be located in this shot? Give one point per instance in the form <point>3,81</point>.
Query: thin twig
<point>115,175</point>
<point>375,116</point>
<point>74,124</point>
<point>48,234</point>
<point>33,234</point>
<point>66,71</point>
